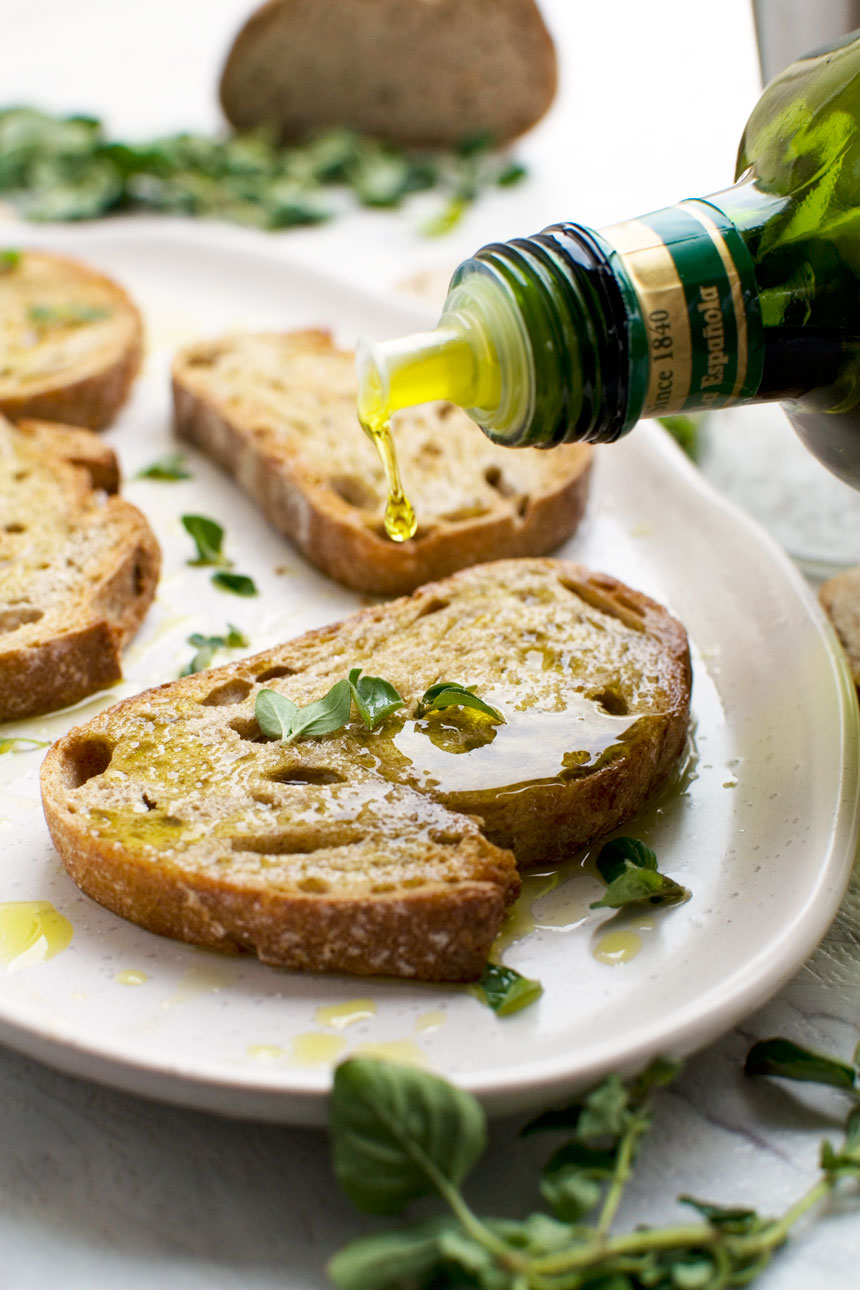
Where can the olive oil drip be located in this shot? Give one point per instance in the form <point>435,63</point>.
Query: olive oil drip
<point>400,522</point>
<point>400,374</point>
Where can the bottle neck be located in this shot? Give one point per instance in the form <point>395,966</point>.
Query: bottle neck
<point>573,335</point>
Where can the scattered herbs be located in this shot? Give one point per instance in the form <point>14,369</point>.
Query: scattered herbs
<point>207,646</point>
<point>9,260</point>
<point>398,1134</point>
<point>279,718</point>
<point>629,868</point>
<point>170,468</point>
<point>239,584</point>
<point>66,168</point>
<point>786,1059</point>
<point>449,694</point>
<point>374,698</point>
<point>505,990</point>
<point>208,536</point>
<point>684,429</point>
<point>19,743</point>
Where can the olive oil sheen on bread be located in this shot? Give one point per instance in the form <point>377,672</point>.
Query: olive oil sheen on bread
<point>748,295</point>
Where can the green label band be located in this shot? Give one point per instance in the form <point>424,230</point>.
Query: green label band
<point>694,282</point>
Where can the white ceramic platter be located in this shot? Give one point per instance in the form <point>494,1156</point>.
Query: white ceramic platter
<point>761,827</point>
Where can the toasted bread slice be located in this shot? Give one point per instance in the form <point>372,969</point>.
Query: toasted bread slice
<point>403,70</point>
<point>278,412</point>
<point>77,571</point>
<point>389,850</point>
<point>840,597</point>
<point>70,341</point>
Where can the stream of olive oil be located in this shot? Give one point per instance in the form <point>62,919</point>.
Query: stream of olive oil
<point>418,369</point>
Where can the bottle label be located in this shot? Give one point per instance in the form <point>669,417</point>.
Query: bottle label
<point>694,281</point>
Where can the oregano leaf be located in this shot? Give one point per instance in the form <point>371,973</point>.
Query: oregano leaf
<point>208,536</point>
<point>274,713</point>
<point>374,698</point>
<point>784,1058</point>
<point>396,1131</point>
<point>505,990</point>
<point>450,694</point>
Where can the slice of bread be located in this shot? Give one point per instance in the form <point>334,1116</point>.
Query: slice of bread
<point>413,72</point>
<point>77,570</point>
<point>840,597</point>
<point>278,412</point>
<point>390,851</point>
<point>70,341</point>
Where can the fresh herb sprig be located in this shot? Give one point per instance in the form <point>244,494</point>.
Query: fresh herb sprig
<point>505,990</point>
<point>208,537</point>
<point>374,699</point>
<point>66,168</point>
<point>629,868</point>
<point>170,469</point>
<point>207,646</point>
<point>450,694</point>
<point>398,1134</point>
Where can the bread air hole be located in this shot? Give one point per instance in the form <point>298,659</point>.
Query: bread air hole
<point>306,775</point>
<point>18,616</point>
<point>278,844</point>
<point>432,607</point>
<point>272,674</point>
<point>355,492</point>
<point>15,528</point>
<point>247,728</point>
<point>85,758</point>
<point>445,838</point>
<point>464,513</point>
<point>497,480</point>
<point>231,692</point>
<point>316,886</point>
<point>613,701</point>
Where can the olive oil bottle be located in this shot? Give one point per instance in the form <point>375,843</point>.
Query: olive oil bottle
<point>749,294</point>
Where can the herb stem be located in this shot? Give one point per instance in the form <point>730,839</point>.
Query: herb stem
<point>473,1225</point>
<point>621,1173</point>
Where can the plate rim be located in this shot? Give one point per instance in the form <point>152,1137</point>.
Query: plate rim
<point>262,1093</point>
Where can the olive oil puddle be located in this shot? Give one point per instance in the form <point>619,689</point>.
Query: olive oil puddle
<point>31,932</point>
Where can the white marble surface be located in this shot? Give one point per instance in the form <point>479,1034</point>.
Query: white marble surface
<point>101,1189</point>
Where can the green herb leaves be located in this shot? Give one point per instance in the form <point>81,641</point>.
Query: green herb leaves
<point>239,584</point>
<point>279,718</point>
<point>208,537</point>
<point>505,990</point>
<point>170,469</point>
<point>66,315</point>
<point>629,868</point>
<point>790,1061</point>
<point>9,260</point>
<point>450,694</point>
<point>374,698</point>
<point>399,1133</point>
<point>206,647</point>
<point>65,168</point>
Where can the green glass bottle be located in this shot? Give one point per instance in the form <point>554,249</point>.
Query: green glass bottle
<point>750,294</point>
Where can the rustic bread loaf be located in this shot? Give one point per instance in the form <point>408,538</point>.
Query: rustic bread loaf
<point>840,597</point>
<point>412,71</point>
<point>77,570</point>
<point>70,341</point>
<point>278,412</point>
<point>389,850</point>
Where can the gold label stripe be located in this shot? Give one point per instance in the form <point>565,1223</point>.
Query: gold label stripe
<point>733,276</point>
<point>656,281</point>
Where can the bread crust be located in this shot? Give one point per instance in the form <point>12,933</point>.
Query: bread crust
<point>78,572</point>
<point>284,455</point>
<point>383,852</point>
<point>420,74</point>
<point>79,371</point>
